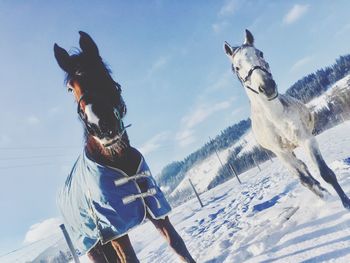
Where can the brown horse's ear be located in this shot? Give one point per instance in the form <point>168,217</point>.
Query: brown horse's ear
<point>63,58</point>
<point>249,39</point>
<point>87,45</point>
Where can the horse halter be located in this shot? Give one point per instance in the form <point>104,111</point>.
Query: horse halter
<point>94,129</point>
<point>249,74</point>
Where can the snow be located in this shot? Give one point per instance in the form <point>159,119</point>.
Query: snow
<point>202,173</point>
<point>229,230</point>
<point>248,222</point>
<point>322,101</point>
<point>248,142</point>
<point>269,218</point>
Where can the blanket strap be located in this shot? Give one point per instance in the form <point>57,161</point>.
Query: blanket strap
<point>132,198</point>
<point>134,177</point>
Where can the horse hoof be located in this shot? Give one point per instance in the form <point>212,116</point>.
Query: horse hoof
<point>327,196</point>
<point>323,194</point>
<point>346,203</point>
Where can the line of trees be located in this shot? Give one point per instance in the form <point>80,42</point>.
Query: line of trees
<point>173,174</point>
<point>305,89</point>
<point>313,85</point>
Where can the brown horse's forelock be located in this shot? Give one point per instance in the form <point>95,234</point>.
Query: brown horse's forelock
<point>94,76</point>
<point>82,65</point>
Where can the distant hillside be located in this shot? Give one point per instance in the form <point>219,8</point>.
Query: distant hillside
<point>174,173</point>
<point>314,84</point>
<point>56,253</point>
<point>330,109</point>
<point>236,145</point>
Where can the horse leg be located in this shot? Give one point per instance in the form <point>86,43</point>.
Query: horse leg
<point>124,249</point>
<point>298,168</point>
<point>103,254</point>
<point>172,237</point>
<point>326,173</point>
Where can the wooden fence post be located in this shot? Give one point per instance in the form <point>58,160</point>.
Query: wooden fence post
<point>256,163</point>
<point>234,172</point>
<point>197,195</point>
<point>69,243</point>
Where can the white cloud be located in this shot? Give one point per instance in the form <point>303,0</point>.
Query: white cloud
<point>186,135</point>
<point>301,63</point>
<point>32,120</point>
<point>228,8</point>
<point>236,111</point>
<point>159,64</point>
<point>219,26</point>
<point>295,13</point>
<point>202,112</point>
<point>154,143</point>
<point>224,81</point>
<point>42,230</point>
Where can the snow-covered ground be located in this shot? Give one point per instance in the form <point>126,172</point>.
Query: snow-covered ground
<point>269,218</point>
<point>321,102</point>
<point>202,173</point>
<point>248,222</point>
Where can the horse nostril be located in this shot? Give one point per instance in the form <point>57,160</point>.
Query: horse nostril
<point>106,130</point>
<point>109,133</point>
<point>261,89</point>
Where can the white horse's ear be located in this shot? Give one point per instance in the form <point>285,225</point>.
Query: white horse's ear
<point>228,49</point>
<point>249,39</point>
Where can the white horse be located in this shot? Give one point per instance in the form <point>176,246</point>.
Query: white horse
<point>280,123</point>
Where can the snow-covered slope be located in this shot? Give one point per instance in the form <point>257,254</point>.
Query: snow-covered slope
<point>248,222</point>
<point>205,171</point>
<point>322,101</point>
<point>229,229</point>
<point>202,173</point>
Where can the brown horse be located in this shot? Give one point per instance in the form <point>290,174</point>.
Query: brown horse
<point>91,219</point>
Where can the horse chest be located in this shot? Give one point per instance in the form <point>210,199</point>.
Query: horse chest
<point>272,134</point>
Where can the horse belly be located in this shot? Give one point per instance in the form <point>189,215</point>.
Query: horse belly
<point>272,137</point>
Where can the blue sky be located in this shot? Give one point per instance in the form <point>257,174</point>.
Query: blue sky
<point>176,81</point>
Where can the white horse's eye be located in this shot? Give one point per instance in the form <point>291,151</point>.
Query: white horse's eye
<point>237,68</point>
<point>261,54</point>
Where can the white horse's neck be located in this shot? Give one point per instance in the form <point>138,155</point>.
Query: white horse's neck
<point>271,109</point>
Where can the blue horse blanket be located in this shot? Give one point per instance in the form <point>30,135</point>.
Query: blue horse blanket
<point>101,203</point>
